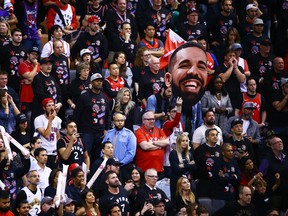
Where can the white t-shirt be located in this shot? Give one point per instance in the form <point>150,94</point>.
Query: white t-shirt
<point>246,124</point>
<point>48,49</point>
<point>199,135</point>
<point>49,144</point>
<point>44,177</point>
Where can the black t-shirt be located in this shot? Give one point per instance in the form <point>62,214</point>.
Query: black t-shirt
<point>221,24</point>
<point>98,44</point>
<point>205,157</point>
<point>278,118</point>
<point>150,83</point>
<point>61,72</point>
<point>21,138</point>
<point>92,113</point>
<point>232,84</point>
<point>108,199</point>
<point>241,146</point>
<point>114,21</point>
<point>251,44</point>
<point>76,87</point>
<point>44,87</point>
<point>235,208</point>
<point>188,32</point>
<point>159,19</point>
<point>11,57</point>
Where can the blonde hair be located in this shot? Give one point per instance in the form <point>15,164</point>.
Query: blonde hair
<point>179,191</point>
<point>82,65</point>
<point>179,150</point>
<point>130,105</point>
<point>8,33</point>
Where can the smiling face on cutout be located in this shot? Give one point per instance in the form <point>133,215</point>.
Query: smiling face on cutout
<point>187,73</point>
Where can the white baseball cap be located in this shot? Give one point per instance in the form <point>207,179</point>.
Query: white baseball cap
<point>84,51</point>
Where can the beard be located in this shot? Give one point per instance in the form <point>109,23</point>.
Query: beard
<point>210,122</point>
<point>4,209</point>
<point>248,116</point>
<point>47,113</point>
<point>118,128</point>
<point>188,99</point>
<point>114,184</point>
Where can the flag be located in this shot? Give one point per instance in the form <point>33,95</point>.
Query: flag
<point>173,40</point>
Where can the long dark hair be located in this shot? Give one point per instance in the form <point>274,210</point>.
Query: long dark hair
<point>83,202</point>
<point>122,68</point>
<point>212,89</point>
<point>246,172</point>
<point>129,174</point>
<point>53,175</point>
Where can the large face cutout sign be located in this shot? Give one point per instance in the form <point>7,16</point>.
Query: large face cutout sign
<point>187,73</point>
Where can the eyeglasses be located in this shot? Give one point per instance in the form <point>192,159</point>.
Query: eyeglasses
<point>149,119</point>
<point>147,55</point>
<point>153,176</point>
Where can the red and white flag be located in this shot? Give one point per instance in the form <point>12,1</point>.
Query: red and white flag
<point>173,40</point>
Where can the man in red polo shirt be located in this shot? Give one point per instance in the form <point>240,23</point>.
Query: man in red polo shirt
<point>28,69</point>
<point>151,142</point>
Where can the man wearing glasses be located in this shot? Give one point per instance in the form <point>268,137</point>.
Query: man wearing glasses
<point>150,194</point>
<point>151,142</point>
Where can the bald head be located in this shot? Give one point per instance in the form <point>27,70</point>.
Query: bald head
<point>154,64</point>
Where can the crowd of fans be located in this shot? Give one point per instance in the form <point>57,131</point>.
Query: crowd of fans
<point>129,122</point>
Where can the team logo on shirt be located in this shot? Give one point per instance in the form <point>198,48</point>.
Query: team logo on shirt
<point>209,162</point>
<point>95,108</point>
<point>223,30</point>
<point>254,49</point>
<point>14,60</point>
<point>262,69</point>
<point>103,108</point>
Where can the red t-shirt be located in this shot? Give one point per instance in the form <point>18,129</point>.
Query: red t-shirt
<point>26,92</point>
<point>146,159</point>
<point>9,213</point>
